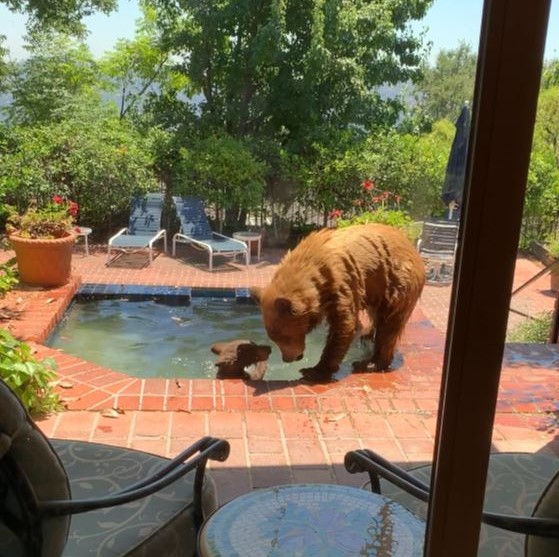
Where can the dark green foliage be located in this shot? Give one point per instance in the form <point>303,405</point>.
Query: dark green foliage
<point>293,69</point>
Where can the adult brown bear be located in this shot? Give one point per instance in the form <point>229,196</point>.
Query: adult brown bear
<point>334,274</point>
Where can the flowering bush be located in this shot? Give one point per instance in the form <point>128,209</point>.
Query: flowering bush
<point>371,200</point>
<point>376,206</point>
<point>54,220</point>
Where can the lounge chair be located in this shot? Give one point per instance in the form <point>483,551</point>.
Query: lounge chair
<point>144,228</point>
<point>195,229</point>
<point>521,516</point>
<point>69,498</point>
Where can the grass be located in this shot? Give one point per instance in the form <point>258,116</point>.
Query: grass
<point>534,330</point>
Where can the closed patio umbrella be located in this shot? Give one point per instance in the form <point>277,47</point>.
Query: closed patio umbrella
<point>453,186</point>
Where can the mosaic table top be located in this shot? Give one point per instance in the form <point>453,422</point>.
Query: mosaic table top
<point>312,520</point>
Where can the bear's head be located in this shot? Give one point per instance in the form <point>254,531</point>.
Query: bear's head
<point>287,320</point>
<point>237,355</point>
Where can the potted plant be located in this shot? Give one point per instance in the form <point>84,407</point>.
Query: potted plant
<point>42,239</point>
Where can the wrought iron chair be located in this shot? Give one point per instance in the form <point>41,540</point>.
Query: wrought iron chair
<point>73,498</point>
<point>521,517</point>
<point>144,227</point>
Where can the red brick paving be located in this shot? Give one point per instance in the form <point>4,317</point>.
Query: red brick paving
<point>284,432</point>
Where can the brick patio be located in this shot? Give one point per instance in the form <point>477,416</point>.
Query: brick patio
<point>282,431</point>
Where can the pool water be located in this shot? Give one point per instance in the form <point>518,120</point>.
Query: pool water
<point>154,338</point>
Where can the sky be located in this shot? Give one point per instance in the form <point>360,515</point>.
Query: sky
<point>447,23</point>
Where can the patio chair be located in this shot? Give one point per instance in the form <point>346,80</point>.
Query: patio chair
<point>70,498</point>
<point>521,516</point>
<point>144,227</point>
<point>195,229</point>
<point>437,247</point>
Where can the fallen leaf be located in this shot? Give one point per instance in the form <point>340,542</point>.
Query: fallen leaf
<point>50,300</point>
<point>336,418</point>
<point>111,413</point>
<point>66,384</point>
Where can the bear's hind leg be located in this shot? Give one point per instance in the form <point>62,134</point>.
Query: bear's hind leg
<point>388,333</point>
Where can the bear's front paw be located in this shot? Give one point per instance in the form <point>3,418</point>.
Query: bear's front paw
<point>317,374</point>
<point>366,366</point>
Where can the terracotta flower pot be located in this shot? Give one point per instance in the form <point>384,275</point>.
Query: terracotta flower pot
<point>44,262</point>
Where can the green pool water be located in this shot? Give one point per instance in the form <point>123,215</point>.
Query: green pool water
<point>150,338</point>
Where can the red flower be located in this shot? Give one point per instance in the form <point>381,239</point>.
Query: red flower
<point>368,185</point>
<point>335,213</point>
<point>73,208</point>
<point>57,199</point>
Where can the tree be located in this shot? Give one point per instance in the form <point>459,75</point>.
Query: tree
<point>293,69</point>
<point>140,66</point>
<point>5,66</point>
<point>449,84</point>
<point>541,207</point>
<point>59,76</point>
<point>59,14</point>
<point>550,77</point>
<point>223,171</point>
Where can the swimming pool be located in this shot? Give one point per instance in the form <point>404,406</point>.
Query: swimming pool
<point>152,331</point>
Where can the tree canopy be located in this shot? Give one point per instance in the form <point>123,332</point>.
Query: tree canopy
<point>448,84</point>
<point>292,69</point>
<point>59,14</point>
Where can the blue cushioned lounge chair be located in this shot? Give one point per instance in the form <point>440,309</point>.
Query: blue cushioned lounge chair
<point>144,228</point>
<point>62,498</point>
<point>195,229</point>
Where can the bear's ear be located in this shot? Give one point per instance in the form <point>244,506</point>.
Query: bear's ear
<point>256,293</point>
<point>283,305</point>
<point>218,348</point>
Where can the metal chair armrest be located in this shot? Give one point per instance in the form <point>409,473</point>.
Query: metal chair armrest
<point>207,448</point>
<point>119,233</point>
<point>528,525</point>
<point>375,465</point>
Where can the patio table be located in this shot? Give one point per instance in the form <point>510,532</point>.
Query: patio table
<point>249,238</point>
<point>312,520</point>
<point>85,232</point>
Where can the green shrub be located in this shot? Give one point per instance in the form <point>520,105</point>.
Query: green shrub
<point>552,246</point>
<point>8,276</point>
<point>30,378</point>
<point>533,330</point>
<point>398,219</point>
